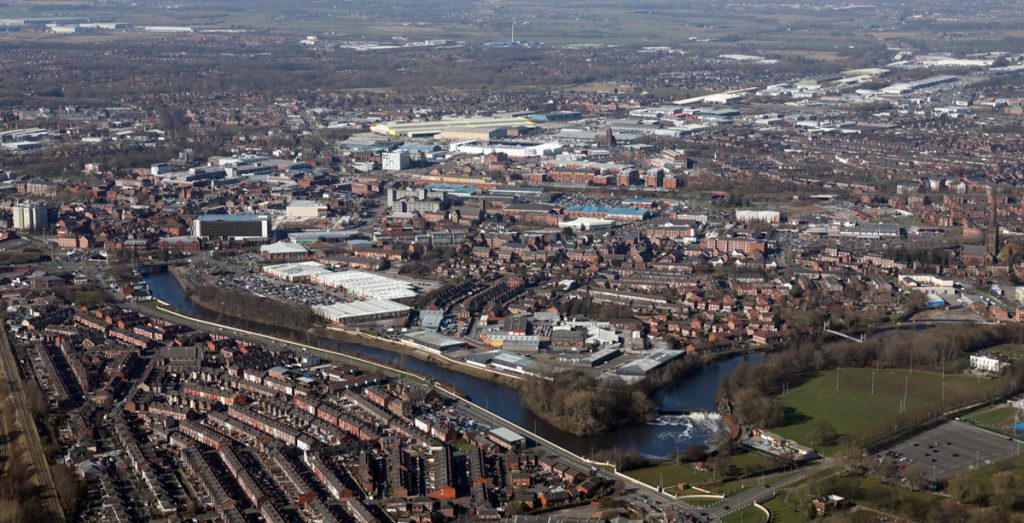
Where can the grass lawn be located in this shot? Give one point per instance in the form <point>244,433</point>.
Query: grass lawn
<point>852,408</point>
<point>1012,349</point>
<point>749,514</point>
<point>669,474</point>
<point>998,416</point>
<point>730,487</point>
<point>751,460</point>
<point>872,493</point>
<point>783,513</point>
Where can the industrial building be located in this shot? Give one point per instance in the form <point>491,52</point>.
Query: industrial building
<point>366,285</point>
<point>231,226</point>
<point>295,272</point>
<point>510,149</point>
<point>473,133</point>
<point>435,127</point>
<point>653,360</point>
<point>362,311</point>
<point>910,87</point>
<point>435,341</point>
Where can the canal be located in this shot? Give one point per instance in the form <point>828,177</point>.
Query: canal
<point>666,434</point>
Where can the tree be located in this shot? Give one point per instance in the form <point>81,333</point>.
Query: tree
<point>754,409</point>
<point>915,477</point>
<point>1006,490</point>
<point>698,452</point>
<point>823,433</point>
<point>967,490</point>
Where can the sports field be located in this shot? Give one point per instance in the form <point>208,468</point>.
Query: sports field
<point>854,410</point>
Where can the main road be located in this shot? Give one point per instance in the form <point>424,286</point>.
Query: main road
<point>40,466</point>
<point>674,509</point>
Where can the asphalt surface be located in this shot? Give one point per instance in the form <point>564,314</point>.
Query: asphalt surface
<point>953,448</point>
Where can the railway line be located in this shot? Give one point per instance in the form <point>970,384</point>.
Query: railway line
<point>49,501</point>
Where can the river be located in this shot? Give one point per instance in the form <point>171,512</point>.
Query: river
<point>668,433</point>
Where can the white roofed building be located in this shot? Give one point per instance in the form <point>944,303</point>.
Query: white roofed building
<point>295,272</point>
<point>362,311</point>
<point>367,285</point>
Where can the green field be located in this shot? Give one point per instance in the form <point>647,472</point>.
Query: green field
<point>1012,349</point>
<point>998,416</point>
<point>670,474</point>
<point>748,514</point>
<point>783,513</point>
<point>852,408</point>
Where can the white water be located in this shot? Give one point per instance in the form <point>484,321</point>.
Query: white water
<point>703,423</point>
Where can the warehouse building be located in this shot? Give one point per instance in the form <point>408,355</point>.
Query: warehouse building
<point>435,341</point>
<point>295,272</point>
<point>436,127</point>
<point>366,285</point>
<point>510,149</point>
<point>362,311</point>
<point>473,133</point>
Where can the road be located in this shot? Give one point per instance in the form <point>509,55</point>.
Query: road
<point>467,407</point>
<point>749,496</point>
<point>670,505</point>
<point>40,466</point>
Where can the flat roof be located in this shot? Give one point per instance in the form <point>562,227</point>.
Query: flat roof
<point>358,309</point>
<point>231,217</point>
<point>434,339</point>
<point>369,284</point>
<point>283,248</point>
<point>507,435</point>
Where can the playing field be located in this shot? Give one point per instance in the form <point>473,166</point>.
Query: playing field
<point>854,410</point>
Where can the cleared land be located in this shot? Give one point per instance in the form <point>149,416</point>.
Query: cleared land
<point>854,411</point>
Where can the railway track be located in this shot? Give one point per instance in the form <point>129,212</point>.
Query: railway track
<point>49,501</point>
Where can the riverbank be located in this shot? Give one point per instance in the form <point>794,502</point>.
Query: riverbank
<point>422,353</point>
<point>667,434</point>
<point>345,335</point>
